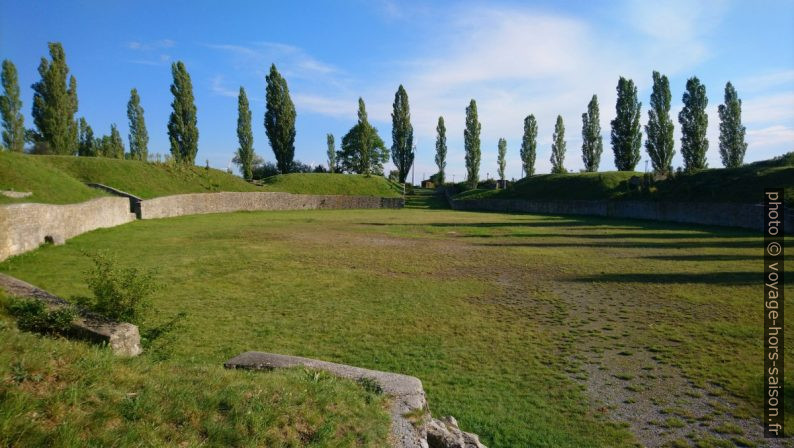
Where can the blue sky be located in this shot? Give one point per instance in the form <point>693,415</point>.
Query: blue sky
<point>514,58</point>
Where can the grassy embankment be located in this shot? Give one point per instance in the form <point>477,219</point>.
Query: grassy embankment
<point>60,179</point>
<point>745,185</point>
<point>532,330</point>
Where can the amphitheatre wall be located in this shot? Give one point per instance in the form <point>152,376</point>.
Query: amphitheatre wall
<point>747,216</point>
<point>24,227</point>
<point>191,204</point>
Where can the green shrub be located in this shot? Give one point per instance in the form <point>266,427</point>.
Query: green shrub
<point>34,315</point>
<point>119,293</point>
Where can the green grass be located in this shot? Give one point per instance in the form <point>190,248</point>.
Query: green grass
<point>60,393</point>
<point>495,313</point>
<point>20,172</point>
<point>61,179</point>
<point>744,185</point>
<point>147,180</point>
<point>324,183</point>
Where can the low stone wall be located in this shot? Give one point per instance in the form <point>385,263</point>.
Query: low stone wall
<point>198,203</point>
<point>23,227</point>
<point>748,216</point>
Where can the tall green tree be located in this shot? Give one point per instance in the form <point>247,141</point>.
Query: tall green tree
<point>501,159</point>
<point>441,150</point>
<point>182,125</point>
<point>402,134</point>
<point>55,104</point>
<point>471,144</point>
<point>11,109</point>
<point>245,136</point>
<point>280,120</point>
<point>362,150</point>
<point>694,122</point>
<point>87,145</point>
<point>329,140</point>
<point>592,142</point>
<point>529,144</point>
<point>139,136</point>
<point>732,143</point>
<point>558,148</point>
<point>111,145</point>
<point>659,130</point>
<point>626,133</point>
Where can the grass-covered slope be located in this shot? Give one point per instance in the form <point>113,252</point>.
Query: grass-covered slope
<point>147,180</point>
<point>61,179</point>
<point>324,183</point>
<point>20,172</point>
<point>60,393</point>
<point>744,185</point>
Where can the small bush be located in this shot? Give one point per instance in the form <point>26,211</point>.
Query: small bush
<point>34,315</point>
<point>121,294</point>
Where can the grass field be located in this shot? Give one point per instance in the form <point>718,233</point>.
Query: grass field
<point>531,330</point>
<point>61,179</point>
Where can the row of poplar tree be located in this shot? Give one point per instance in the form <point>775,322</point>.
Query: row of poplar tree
<point>626,133</point>
<point>362,150</point>
<point>57,131</point>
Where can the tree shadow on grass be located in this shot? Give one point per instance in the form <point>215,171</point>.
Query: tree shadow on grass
<point>717,244</point>
<point>711,278</point>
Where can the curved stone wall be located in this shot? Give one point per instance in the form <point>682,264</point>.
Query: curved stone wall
<point>198,203</point>
<point>24,227</point>
<point>748,216</point>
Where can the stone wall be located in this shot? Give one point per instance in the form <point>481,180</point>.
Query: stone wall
<point>748,216</point>
<point>198,203</point>
<point>23,227</point>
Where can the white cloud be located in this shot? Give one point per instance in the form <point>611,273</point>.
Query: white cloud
<point>219,87</point>
<point>344,108</point>
<point>771,108</point>
<point>292,61</point>
<point>771,136</point>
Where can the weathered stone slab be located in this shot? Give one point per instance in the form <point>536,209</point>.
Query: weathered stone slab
<point>406,392</point>
<point>122,338</point>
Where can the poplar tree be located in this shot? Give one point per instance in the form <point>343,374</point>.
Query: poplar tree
<point>182,125</point>
<point>138,136</point>
<point>592,142</point>
<point>55,104</point>
<point>694,122</point>
<point>402,134</point>
<point>329,138</point>
<point>732,143</point>
<point>626,133</point>
<point>558,148</point>
<point>245,136</point>
<point>501,158</point>
<point>10,109</point>
<point>280,120</point>
<point>87,145</point>
<point>441,150</point>
<point>471,144</point>
<point>659,130</point>
<point>529,144</point>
